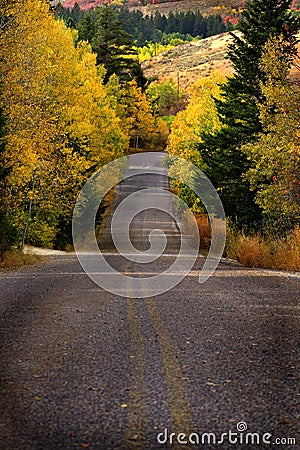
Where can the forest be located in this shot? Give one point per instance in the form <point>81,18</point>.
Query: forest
<point>73,97</point>
<point>143,29</point>
<point>60,121</point>
<point>243,132</point>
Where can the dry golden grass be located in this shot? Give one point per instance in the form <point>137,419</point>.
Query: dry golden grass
<point>15,259</point>
<point>269,253</point>
<point>205,233</point>
<point>191,61</point>
<point>203,227</point>
<point>256,251</point>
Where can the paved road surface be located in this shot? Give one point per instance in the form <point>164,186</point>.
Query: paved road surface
<point>83,368</point>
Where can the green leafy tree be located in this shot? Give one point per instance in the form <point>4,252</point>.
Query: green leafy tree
<point>172,25</point>
<point>61,12</point>
<point>238,109</point>
<point>165,97</point>
<point>60,125</point>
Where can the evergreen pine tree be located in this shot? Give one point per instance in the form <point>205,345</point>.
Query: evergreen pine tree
<point>62,13</point>
<point>160,21</point>
<point>114,47</point>
<point>199,26</point>
<point>87,27</point>
<point>76,14</point>
<point>238,110</point>
<point>171,26</point>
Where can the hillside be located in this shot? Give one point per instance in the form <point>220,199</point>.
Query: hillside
<point>205,6</point>
<point>191,60</point>
<point>194,60</point>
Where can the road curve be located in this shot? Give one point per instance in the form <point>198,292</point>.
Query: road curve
<point>83,368</point>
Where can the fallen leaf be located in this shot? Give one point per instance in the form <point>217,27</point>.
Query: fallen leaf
<point>38,398</point>
<point>123,405</point>
<point>284,422</point>
<point>134,437</point>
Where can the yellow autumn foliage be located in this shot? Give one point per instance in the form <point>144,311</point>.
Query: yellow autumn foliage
<point>135,112</point>
<point>187,130</point>
<point>61,124</point>
<point>199,117</point>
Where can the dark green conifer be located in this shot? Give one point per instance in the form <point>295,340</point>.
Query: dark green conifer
<point>114,46</point>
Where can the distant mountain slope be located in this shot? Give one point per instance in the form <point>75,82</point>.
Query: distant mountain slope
<point>194,60</point>
<point>84,4</point>
<point>205,6</point>
<point>164,8</point>
<point>191,60</point>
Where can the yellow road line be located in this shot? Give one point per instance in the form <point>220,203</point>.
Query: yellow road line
<point>176,394</point>
<point>137,421</point>
<point>178,403</point>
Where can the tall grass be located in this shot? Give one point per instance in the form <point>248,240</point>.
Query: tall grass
<point>205,233</point>
<point>256,250</point>
<point>266,252</point>
<point>14,259</point>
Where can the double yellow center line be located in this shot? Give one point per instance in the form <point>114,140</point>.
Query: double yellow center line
<point>137,411</point>
<point>138,408</point>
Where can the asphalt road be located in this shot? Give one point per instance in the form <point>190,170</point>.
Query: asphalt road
<point>84,368</point>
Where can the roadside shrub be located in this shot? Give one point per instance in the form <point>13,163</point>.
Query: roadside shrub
<point>8,235</point>
<point>12,259</point>
<point>40,233</point>
<point>267,252</point>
